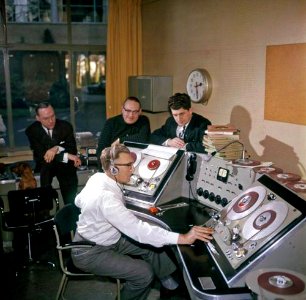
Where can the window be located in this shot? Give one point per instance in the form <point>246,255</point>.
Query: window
<point>45,11</point>
<point>42,65</point>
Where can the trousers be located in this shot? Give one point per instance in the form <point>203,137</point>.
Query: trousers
<point>137,264</point>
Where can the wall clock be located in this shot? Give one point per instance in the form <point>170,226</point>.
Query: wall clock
<point>199,85</point>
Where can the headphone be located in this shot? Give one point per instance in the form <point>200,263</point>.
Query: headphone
<point>112,168</point>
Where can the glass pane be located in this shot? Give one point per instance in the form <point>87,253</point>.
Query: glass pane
<point>1,33</point>
<point>3,116</point>
<point>91,34</point>
<point>54,11</point>
<point>37,76</point>
<point>25,11</point>
<point>90,92</point>
<point>86,11</point>
<point>45,22</point>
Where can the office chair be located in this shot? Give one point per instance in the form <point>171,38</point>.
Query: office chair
<point>64,228</point>
<point>29,211</point>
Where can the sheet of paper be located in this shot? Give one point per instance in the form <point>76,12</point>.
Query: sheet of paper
<point>160,151</point>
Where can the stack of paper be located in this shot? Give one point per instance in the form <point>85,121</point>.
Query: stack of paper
<point>224,141</point>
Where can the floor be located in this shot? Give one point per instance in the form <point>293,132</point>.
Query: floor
<point>39,280</point>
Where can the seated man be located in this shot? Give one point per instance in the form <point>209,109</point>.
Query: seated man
<point>184,129</point>
<point>130,126</point>
<point>54,150</point>
<point>122,240</point>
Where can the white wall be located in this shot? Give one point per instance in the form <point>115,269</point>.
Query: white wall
<point>229,39</point>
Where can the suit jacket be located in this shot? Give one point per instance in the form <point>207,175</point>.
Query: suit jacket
<point>115,127</point>
<point>40,142</point>
<point>193,134</point>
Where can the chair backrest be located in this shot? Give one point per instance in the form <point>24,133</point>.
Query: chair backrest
<point>65,221</point>
<point>31,206</point>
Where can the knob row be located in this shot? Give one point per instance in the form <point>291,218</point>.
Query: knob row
<point>212,197</point>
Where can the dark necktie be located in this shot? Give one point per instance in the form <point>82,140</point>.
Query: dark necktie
<point>49,133</point>
<point>182,133</point>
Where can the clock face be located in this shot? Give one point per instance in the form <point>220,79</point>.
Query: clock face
<point>199,85</point>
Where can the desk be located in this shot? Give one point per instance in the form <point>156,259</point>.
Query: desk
<point>195,260</point>
<point>15,159</point>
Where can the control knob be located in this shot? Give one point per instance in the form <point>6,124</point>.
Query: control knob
<point>211,196</point>
<point>216,216</point>
<point>235,234</point>
<point>200,191</point>
<point>218,199</point>
<point>206,194</point>
<point>224,202</point>
<point>240,252</point>
<point>271,196</point>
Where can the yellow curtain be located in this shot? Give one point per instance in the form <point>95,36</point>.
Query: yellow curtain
<point>124,51</point>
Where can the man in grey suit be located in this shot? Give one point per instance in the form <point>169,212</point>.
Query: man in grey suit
<point>184,129</point>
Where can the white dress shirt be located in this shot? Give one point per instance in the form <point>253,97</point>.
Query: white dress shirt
<point>60,148</point>
<point>104,216</point>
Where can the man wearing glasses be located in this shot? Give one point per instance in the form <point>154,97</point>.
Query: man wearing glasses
<point>130,126</point>
<point>123,248</point>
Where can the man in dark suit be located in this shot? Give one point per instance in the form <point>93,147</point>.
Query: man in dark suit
<point>54,151</point>
<point>184,129</point>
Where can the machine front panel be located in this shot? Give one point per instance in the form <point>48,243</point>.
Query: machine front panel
<point>153,168</point>
<point>253,225</point>
<point>219,182</point>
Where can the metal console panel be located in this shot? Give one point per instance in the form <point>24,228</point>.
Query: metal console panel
<point>219,182</point>
<point>153,175</point>
<point>263,227</point>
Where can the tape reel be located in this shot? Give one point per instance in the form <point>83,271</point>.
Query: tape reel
<point>276,283</point>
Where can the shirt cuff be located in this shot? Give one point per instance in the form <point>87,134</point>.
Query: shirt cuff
<point>165,143</point>
<point>173,237</point>
<point>65,158</point>
<point>60,149</point>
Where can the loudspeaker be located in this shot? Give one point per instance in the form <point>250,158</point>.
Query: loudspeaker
<point>152,91</point>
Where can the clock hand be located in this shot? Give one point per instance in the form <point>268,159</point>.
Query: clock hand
<point>196,86</point>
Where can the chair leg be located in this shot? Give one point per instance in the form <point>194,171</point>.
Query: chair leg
<point>118,289</point>
<point>62,287</point>
<point>30,257</point>
<point>29,247</point>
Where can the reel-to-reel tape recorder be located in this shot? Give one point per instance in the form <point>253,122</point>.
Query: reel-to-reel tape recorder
<point>260,223</point>
<point>154,166</point>
<point>262,227</point>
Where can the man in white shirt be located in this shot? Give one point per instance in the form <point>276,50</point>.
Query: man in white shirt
<point>119,234</point>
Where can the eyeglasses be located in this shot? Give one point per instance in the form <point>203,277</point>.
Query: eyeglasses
<point>133,112</point>
<point>131,164</point>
